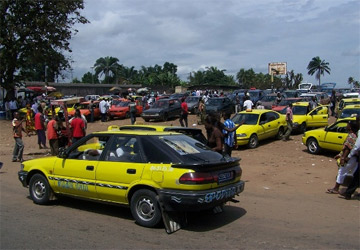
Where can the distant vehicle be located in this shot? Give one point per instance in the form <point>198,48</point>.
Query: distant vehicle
<point>327,87</point>
<point>305,87</point>
<point>345,102</point>
<point>92,97</point>
<point>178,96</point>
<point>350,111</point>
<point>193,103</point>
<point>256,95</point>
<point>292,93</point>
<point>162,109</point>
<point>269,100</point>
<point>281,107</point>
<point>320,97</point>
<point>121,109</point>
<point>219,105</point>
<point>84,110</point>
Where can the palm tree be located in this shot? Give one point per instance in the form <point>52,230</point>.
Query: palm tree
<point>107,66</point>
<point>351,81</point>
<point>318,66</point>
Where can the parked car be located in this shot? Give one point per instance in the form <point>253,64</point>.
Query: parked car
<point>293,93</point>
<point>320,97</point>
<point>350,111</point>
<point>345,102</point>
<point>178,96</point>
<point>154,173</point>
<point>304,117</point>
<point>219,105</point>
<point>85,110</point>
<point>92,97</point>
<point>163,109</point>
<point>257,125</point>
<point>329,138</point>
<point>193,103</point>
<point>121,109</point>
<point>281,107</point>
<point>269,100</point>
<point>195,133</point>
<point>256,95</point>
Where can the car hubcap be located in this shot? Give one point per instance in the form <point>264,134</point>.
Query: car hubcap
<point>312,146</point>
<point>145,209</point>
<point>39,189</point>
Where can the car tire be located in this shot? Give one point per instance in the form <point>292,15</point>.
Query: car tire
<point>313,146</point>
<point>145,208</point>
<point>303,127</point>
<point>253,141</point>
<point>280,133</point>
<point>39,188</point>
<point>147,120</point>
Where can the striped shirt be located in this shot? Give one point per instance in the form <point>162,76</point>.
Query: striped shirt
<point>229,137</point>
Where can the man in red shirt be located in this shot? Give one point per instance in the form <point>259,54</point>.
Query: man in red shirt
<point>40,127</point>
<point>19,144</point>
<point>77,127</point>
<point>52,128</point>
<point>184,113</point>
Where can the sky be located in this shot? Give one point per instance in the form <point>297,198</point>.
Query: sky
<point>227,34</point>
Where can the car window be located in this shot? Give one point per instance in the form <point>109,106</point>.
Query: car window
<point>249,119</point>
<point>350,112</point>
<point>91,149</point>
<point>124,149</point>
<point>339,127</point>
<point>153,153</point>
<point>271,116</point>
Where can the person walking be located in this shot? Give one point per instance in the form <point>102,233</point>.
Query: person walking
<point>40,128</point>
<point>52,135</point>
<point>201,112</point>
<point>77,127</point>
<point>333,102</point>
<point>237,103</point>
<point>102,107</point>
<point>132,110</point>
<point>91,108</point>
<point>184,113</point>
<point>289,122</point>
<point>229,137</point>
<point>17,133</point>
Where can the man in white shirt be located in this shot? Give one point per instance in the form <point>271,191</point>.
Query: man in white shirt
<point>248,104</point>
<point>103,109</point>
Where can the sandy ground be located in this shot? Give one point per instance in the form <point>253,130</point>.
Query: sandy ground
<point>284,206</point>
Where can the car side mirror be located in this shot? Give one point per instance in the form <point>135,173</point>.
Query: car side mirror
<point>62,153</point>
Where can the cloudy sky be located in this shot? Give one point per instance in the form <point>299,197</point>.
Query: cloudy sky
<point>227,34</point>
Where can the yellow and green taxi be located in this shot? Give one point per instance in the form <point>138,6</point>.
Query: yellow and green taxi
<point>304,117</point>
<point>152,172</point>
<point>350,111</point>
<point>329,138</point>
<point>345,102</point>
<point>195,133</point>
<point>258,124</point>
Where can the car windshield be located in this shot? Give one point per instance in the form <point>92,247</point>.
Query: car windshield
<point>160,104</point>
<point>300,110</point>
<point>291,93</point>
<point>122,104</point>
<point>350,112</point>
<point>248,118</point>
<point>254,94</point>
<point>214,102</point>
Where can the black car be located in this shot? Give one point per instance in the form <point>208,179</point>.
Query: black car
<point>219,105</point>
<point>162,110</point>
<point>193,103</point>
<point>178,96</point>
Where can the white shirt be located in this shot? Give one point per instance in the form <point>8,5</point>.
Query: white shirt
<point>102,106</point>
<point>248,104</point>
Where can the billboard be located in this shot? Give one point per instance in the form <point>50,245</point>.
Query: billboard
<point>277,68</point>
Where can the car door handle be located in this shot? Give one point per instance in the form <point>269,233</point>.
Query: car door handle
<point>340,137</point>
<point>131,171</point>
<point>325,117</point>
<point>90,168</point>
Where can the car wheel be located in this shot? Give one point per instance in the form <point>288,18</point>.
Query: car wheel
<point>280,133</point>
<point>147,120</point>
<point>127,115</point>
<point>145,208</point>
<point>39,189</point>
<point>253,141</point>
<point>165,117</point>
<point>303,128</point>
<point>313,146</point>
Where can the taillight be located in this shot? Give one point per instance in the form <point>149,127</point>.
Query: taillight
<point>238,172</point>
<point>197,178</point>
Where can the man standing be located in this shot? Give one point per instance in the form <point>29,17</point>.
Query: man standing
<point>40,127</point>
<point>132,110</point>
<point>52,129</point>
<point>289,119</point>
<point>102,107</point>
<point>229,137</point>
<point>248,104</point>
<point>237,101</point>
<point>19,145</point>
<point>77,127</point>
<point>184,113</point>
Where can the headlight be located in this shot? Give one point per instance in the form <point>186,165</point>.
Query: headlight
<point>241,135</point>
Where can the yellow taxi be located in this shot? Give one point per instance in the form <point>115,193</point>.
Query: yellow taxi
<point>154,173</point>
<point>345,102</point>
<point>304,117</point>
<point>258,124</point>
<point>350,111</point>
<point>329,138</point>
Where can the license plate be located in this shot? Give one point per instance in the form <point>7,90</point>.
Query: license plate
<point>224,177</point>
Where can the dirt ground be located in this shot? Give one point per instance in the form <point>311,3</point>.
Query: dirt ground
<point>284,206</point>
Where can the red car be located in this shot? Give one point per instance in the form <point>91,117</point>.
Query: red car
<point>121,109</point>
<point>85,110</point>
<point>284,103</point>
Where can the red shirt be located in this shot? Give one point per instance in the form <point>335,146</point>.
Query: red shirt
<point>51,132</point>
<point>78,126</point>
<point>184,107</point>
<point>39,121</point>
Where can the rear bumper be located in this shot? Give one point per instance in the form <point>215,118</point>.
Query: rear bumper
<point>175,200</point>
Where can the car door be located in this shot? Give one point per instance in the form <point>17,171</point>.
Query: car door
<point>273,123</point>
<point>318,117</point>
<point>75,173</point>
<point>263,131</point>
<point>335,136</point>
<point>122,166</point>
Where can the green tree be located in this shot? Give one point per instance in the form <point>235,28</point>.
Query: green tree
<point>318,67</point>
<point>34,34</point>
<point>107,66</point>
<point>292,80</point>
<point>89,78</point>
